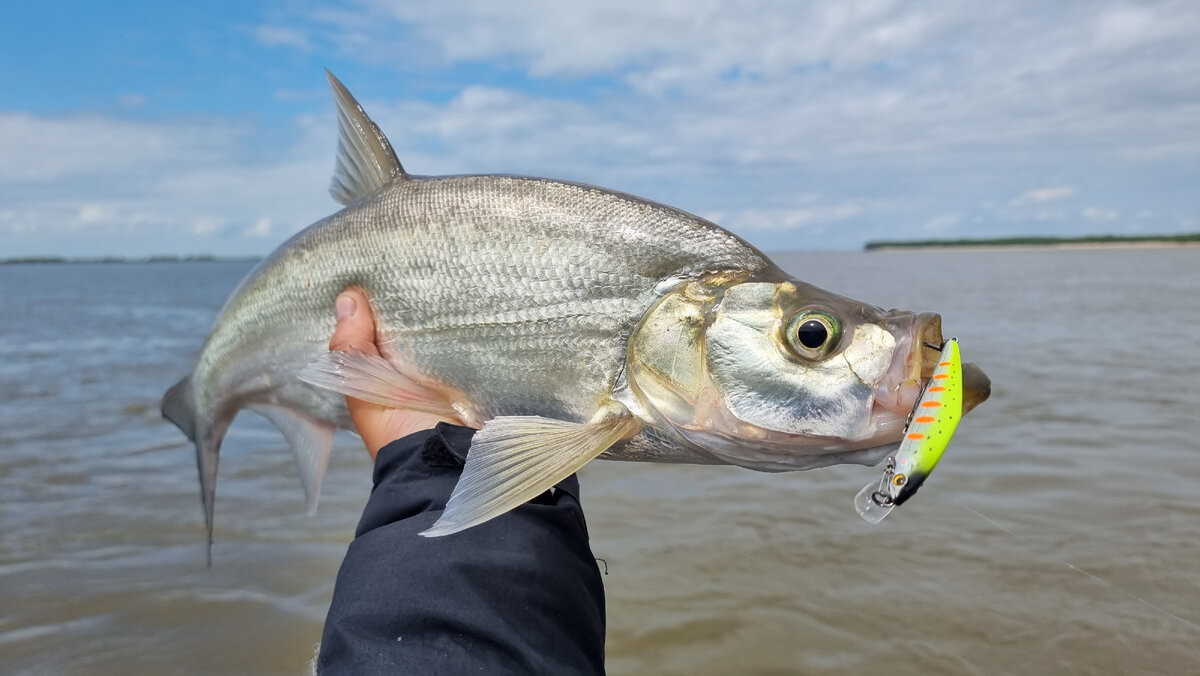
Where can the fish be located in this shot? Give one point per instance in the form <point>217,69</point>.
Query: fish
<point>930,427</point>
<point>565,321</point>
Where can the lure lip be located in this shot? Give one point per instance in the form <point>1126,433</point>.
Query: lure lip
<point>868,505</point>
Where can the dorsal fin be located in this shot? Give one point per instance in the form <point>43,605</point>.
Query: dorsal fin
<point>365,159</point>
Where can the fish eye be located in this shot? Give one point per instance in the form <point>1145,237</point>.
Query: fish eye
<point>813,333</point>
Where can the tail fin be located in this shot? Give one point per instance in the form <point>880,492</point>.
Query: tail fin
<point>179,406</point>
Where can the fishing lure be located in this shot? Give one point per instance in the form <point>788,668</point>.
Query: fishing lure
<point>926,436</point>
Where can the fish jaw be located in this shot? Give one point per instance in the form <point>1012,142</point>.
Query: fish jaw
<point>912,363</point>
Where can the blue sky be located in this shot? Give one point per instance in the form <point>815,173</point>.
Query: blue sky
<point>143,128</point>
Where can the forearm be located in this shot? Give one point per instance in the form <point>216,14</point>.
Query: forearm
<point>519,594</point>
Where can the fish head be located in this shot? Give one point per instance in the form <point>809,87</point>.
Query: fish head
<point>777,374</point>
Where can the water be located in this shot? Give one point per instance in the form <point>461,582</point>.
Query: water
<point>1060,534</point>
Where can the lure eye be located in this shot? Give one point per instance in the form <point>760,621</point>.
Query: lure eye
<point>900,480</point>
<point>813,333</point>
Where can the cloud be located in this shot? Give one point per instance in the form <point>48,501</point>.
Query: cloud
<point>810,215</point>
<point>1043,195</point>
<point>775,117</point>
<point>1123,27</point>
<point>207,225</point>
<point>943,222</point>
<point>276,36</point>
<point>261,228</point>
<point>90,214</point>
<point>929,82</point>
<point>41,149</point>
<point>1098,214</point>
<point>131,100</point>
<point>666,39</point>
<point>176,186</point>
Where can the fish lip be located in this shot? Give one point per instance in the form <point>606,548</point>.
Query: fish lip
<point>912,367</point>
<point>912,362</point>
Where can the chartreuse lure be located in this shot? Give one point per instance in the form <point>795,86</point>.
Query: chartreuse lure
<point>928,433</point>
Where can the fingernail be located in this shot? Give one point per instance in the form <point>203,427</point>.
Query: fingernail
<point>345,306</point>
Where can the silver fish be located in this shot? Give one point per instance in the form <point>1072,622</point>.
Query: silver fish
<point>566,321</point>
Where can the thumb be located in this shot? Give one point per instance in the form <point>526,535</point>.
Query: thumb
<point>355,326</point>
<point>377,425</point>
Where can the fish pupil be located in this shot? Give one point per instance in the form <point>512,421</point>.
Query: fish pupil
<point>812,334</point>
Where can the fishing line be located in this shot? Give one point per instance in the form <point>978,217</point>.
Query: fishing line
<point>1037,548</point>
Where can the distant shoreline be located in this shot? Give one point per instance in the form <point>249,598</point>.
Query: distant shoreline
<point>1019,243</point>
<point>55,260</point>
<point>1005,243</point>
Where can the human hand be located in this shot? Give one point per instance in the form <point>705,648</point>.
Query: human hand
<point>378,425</point>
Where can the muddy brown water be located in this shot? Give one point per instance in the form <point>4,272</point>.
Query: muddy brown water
<point>1060,534</point>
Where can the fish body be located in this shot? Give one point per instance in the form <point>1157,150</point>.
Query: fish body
<point>565,320</point>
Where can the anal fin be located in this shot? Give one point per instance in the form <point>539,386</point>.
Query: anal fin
<point>310,441</point>
<point>515,458</point>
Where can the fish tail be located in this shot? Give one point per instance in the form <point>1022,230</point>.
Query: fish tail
<point>179,406</point>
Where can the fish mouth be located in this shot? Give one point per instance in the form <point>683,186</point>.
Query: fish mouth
<point>916,355</point>
<point>918,349</point>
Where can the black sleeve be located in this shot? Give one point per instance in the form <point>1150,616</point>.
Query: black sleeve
<point>520,594</point>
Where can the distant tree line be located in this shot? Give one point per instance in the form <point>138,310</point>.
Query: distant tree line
<point>192,258</point>
<point>1034,241</point>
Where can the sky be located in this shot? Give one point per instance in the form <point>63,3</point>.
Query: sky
<point>143,128</point>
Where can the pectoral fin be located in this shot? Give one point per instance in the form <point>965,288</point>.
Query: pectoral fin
<point>371,378</point>
<point>515,458</point>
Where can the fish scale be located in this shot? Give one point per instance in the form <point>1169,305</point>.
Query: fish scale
<point>473,258</point>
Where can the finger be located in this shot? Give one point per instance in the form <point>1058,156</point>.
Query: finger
<point>355,325</point>
<point>377,425</point>
<point>356,332</point>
